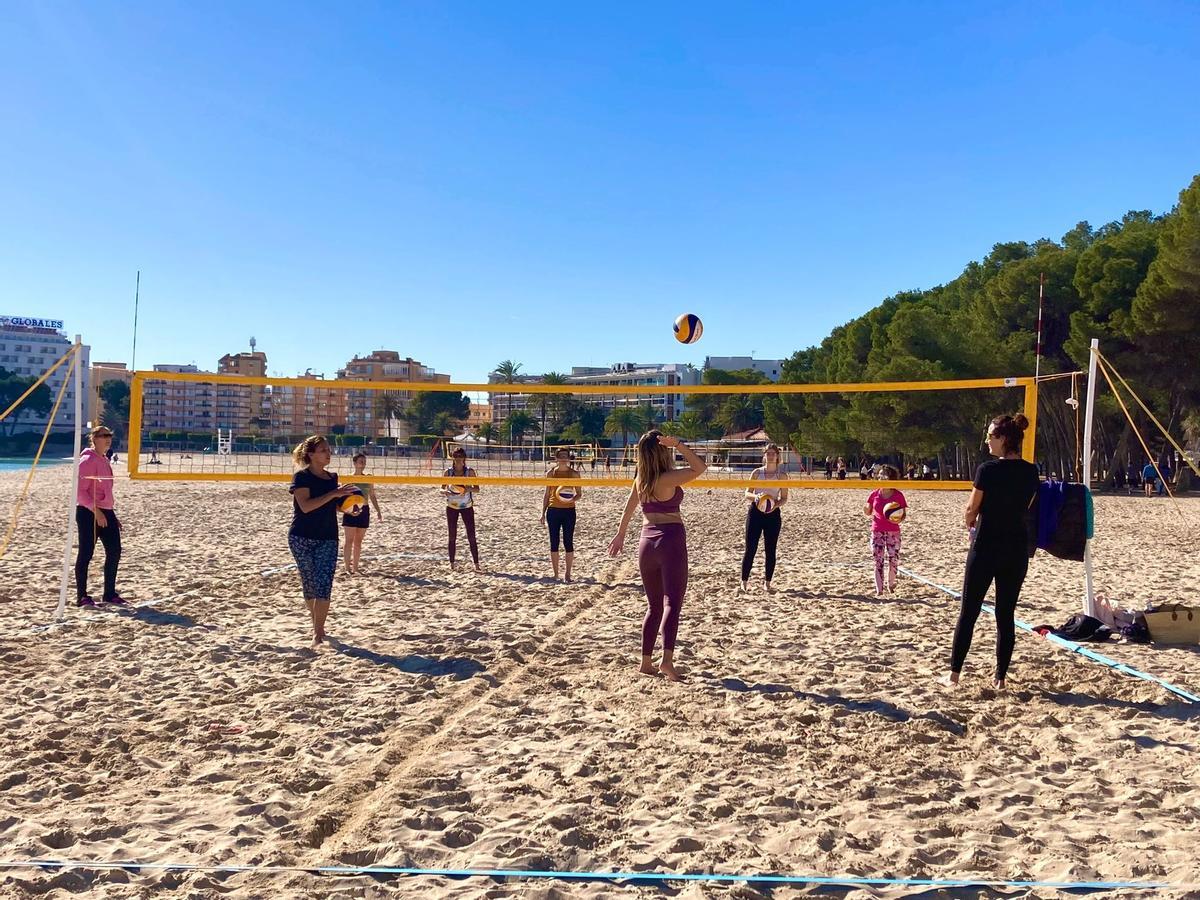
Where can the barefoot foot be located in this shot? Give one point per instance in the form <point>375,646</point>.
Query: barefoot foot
<point>648,668</point>
<point>669,672</point>
<point>949,681</point>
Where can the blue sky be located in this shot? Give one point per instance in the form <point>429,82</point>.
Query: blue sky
<point>554,183</point>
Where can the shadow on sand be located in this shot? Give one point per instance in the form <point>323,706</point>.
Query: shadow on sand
<point>457,668</point>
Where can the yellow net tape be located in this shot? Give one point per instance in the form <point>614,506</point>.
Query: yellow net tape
<point>303,401</point>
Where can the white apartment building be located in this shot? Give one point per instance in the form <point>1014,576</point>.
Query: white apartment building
<point>667,405</point>
<point>772,368</point>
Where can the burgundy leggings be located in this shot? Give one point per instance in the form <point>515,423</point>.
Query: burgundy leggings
<point>468,517</point>
<point>662,559</point>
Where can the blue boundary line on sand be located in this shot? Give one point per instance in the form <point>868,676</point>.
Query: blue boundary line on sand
<point>1074,647</point>
<point>569,875</point>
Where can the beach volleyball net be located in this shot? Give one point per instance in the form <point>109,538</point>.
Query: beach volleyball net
<point>200,426</point>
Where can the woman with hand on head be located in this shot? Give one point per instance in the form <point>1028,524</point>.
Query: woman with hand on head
<point>763,519</point>
<point>662,551</point>
<point>558,508</point>
<point>1004,489</point>
<point>313,537</point>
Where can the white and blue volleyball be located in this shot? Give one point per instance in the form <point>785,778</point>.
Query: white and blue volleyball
<point>688,328</point>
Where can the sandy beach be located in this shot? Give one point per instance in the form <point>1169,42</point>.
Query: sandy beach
<point>496,720</point>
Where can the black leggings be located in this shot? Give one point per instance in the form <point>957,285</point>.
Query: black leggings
<point>468,517</point>
<point>1006,565</point>
<point>561,520</point>
<point>768,525</point>
<point>110,537</point>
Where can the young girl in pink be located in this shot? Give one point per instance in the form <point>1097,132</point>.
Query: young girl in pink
<point>887,508</point>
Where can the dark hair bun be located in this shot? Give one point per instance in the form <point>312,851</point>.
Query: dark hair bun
<point>1020,421</point>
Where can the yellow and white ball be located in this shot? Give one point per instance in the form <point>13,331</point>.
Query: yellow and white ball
<point>766,503</point>
<point>688,328</point>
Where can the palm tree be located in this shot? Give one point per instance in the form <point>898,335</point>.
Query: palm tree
<point>647,416</point>
<point>545,402</point>
<point>387,407</point>
<point>488,432</point>
<point>623,420</point>
<point>517,423</point>
<point>507,369</point>
<point>687,425</point>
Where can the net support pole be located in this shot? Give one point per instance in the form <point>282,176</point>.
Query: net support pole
<point>1089,593</point>
<point>68,532</point>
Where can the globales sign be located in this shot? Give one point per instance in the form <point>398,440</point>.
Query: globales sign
<point>26,322</point>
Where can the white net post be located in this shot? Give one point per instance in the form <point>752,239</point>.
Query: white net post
<point>1089,592</point>
<point>70,529</point>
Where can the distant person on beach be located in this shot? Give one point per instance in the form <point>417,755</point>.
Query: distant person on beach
<point>356,524</point>
<point>763,517</point>
<point>662,551</point>
<point>1004,489</point>
<point>841,469</point>
<point>95,519</point>
<point>558,509</point>
<point>1168,475</point>
<point>829,468</point>
<point>313,537</point>
<point>1149,478</point>
<point>460,504</point>
<point>886,506</point>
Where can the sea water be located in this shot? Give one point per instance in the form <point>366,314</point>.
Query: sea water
<point>14,463</point>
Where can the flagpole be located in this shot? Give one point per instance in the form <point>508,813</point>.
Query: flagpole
<point>1037,364</point>
<point>137,290</point>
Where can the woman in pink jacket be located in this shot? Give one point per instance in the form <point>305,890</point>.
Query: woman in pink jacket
<point>95,518</point>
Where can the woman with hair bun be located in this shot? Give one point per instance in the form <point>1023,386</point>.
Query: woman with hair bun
<point>662,552</point>
<point>313,537</point>
<point>995,514</point>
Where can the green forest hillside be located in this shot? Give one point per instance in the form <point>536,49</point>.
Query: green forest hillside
<point>1134,284</point>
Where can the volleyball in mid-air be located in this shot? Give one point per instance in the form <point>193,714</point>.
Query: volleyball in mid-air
<point>894,512</point>
<point>456,489</point>
<point>565,493</point>
<point>688,328</point>
<point>354,504</point>
<point>765,503</point>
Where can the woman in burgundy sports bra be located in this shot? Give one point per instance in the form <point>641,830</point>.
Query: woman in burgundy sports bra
<point>662,551</point>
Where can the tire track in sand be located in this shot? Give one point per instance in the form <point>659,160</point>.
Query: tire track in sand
<point>348,806</point>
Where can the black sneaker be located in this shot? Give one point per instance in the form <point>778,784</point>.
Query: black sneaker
<point>85,601</point>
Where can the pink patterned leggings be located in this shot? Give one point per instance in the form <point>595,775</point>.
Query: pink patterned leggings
<point>885,542</point>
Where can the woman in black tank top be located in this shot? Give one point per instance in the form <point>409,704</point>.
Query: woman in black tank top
<point>1004,489</point>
